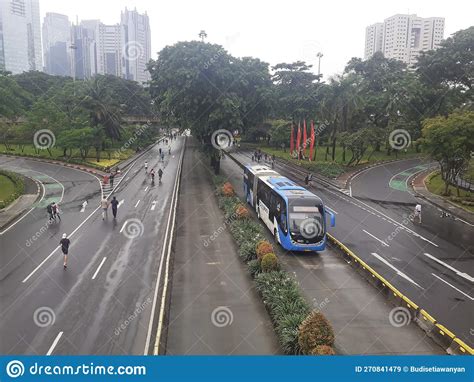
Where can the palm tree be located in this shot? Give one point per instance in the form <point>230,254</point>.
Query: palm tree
<point>104,112</point>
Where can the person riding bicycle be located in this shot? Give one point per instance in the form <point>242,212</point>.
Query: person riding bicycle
<point>160,174</point>
<point>56,211</point>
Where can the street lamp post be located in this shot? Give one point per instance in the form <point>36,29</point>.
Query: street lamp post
<point>319,55</point>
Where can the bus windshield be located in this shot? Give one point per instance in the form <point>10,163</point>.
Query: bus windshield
<point>306,221</point>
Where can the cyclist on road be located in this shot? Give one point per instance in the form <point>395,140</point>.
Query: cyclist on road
<point>104,204</point>
<point>64,242</point>
<point>114,203</point>
<point>160,174</point>
<point>49,208</point>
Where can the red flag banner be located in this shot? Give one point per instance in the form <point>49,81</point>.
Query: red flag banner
<point>311,144</point>
<point>305,137</point>
<point>292,139</point>
<point>298,141</point>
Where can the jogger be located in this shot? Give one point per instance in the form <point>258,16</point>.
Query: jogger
<point>65,249</point>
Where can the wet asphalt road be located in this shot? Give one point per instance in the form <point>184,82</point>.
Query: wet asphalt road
<point>429,263</point>
<point>101,304</point>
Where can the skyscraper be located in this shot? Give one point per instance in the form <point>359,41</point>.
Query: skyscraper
<point>136,45</point>
<point>403,37</point>
<point>57,44</point>
<point>20,37</point>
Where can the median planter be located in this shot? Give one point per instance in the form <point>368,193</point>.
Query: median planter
<point>315,331</point>
<point>280,292</point>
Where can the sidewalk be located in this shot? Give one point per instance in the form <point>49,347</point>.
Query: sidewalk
<point>418,185</point>
<point>359,312</point>
<point>20,205</point>
<point>213,306</point>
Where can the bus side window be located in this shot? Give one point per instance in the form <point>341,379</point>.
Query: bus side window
<point>281,216</point>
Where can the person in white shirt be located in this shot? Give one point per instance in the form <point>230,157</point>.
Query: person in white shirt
<point>417,213</point>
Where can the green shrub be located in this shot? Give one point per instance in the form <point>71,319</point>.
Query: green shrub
<point>287,331</point>
<point>228,204</point>
<point>315,330</point>
<point>18,184</point>
<point>254,267</point>
<point>269,263</point>
<point>263,247</point>
<point>323,350</point>
<point>247,251</point>
<point>246,230</point>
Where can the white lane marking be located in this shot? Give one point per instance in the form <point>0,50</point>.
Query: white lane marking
<point>146,188</point>
<point>51,254</point>
<point>120,203</point>
<point>463,221</point>
<point>137,203</point>
<point>98,268</point>
<point>400,273</point>
<point>452,286</point>
<point>380,241</point>
<point>459,273</point>
<point>123,227</point>
<point>153,205</point>
<point>51,349</point>
<point>127,178</point>
<point>84,204</point>
<point>350,190</point>
<point>330,209</point>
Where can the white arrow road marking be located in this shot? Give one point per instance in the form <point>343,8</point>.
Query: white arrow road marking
<point>459,273</point>
<point>146,188</point>
<point>137,203</point>
<point>120,203</point>
<point>400,273</point>
<point>380,241</point>
<point>51,349</point>
<point>452,286</point>
<point>84,204</point>
<point>153,205</point>
<point>98,268</point>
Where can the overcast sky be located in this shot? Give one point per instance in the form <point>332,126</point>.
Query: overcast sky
<point>274,31</point>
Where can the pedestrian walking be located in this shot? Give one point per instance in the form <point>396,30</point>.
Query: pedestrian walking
<point>104,204</point>
<point>114,203</point>
<point>55,208</point>
<point>111,178</point>
<point>306,179</point>
<point>417,213</point>
<point>64,243</point>
<point>49,209</point>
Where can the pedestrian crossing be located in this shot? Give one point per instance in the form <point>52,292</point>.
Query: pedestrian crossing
<point>345,191</point>
<point>108,187</point>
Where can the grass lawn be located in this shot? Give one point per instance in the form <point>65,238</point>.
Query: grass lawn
<point>7,187</point>
<point>435,184</point>
<point>334,168</point>
<point>116,155</point>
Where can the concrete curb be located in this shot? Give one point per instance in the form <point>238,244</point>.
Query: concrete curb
<point>439,333</point>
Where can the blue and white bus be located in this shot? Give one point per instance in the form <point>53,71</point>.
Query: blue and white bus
<point>295,216</point>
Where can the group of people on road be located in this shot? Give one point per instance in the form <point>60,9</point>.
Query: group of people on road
<point>53,211</point>
<point>258,155</point>
<point>152,173</point>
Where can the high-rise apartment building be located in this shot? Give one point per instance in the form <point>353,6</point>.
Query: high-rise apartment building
<point>403,37</point>
<point>57,44</point>
<point>136,45</point>
<point>20,36</point>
